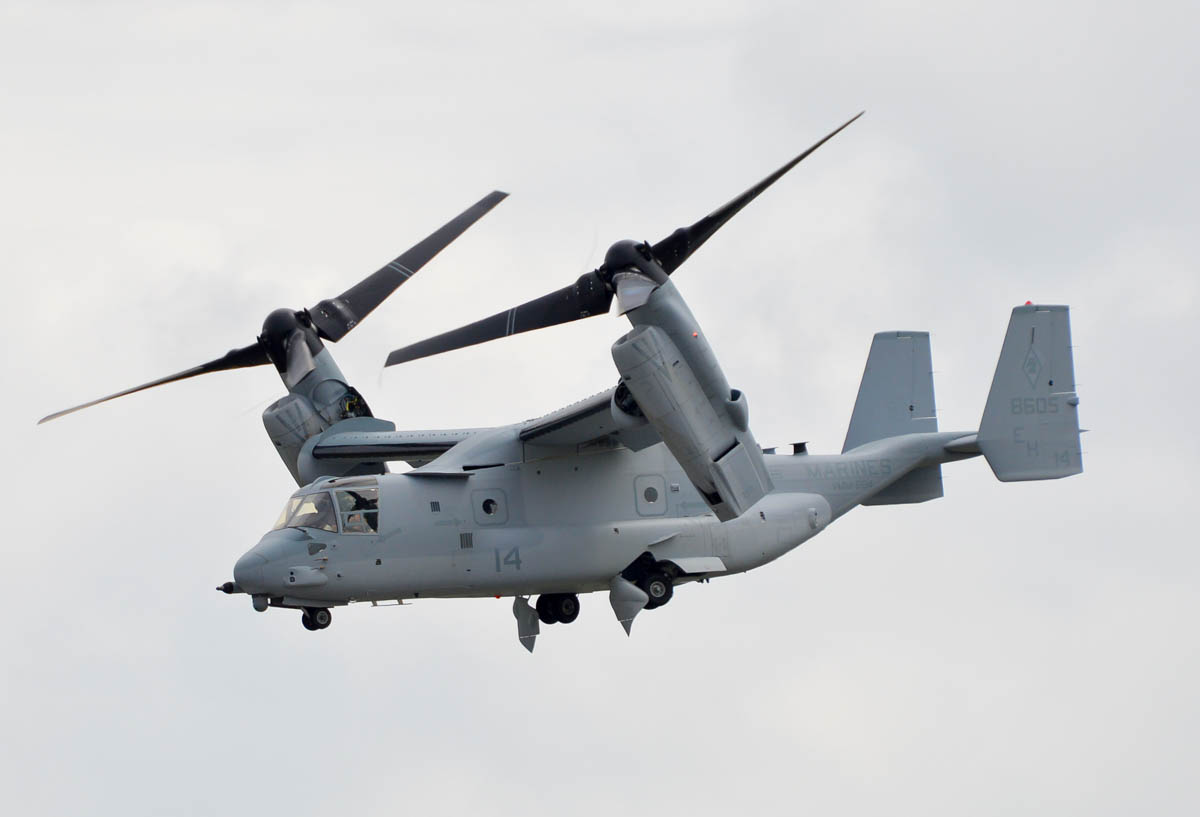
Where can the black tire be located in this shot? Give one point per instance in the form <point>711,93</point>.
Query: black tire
<point>566,607</point>
<point>546,609</point>
<point>321,616</point>
<point>308,623</point>
<point>658,587</point>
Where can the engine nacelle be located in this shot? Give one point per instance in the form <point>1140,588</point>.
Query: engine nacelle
<point>672,373</point>
<point>298,417</point>
<point>290,421</point>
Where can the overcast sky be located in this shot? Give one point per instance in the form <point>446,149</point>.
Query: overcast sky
<point>174,171</point>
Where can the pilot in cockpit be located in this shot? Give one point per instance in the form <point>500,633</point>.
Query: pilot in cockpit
<point>357,509</point>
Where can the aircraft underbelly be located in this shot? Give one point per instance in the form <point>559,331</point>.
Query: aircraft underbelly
<point>525,560</point>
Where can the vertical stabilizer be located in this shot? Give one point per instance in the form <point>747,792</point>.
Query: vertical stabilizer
<point>1030,425</point>
<point>896,393</point>
<point>894,398</point>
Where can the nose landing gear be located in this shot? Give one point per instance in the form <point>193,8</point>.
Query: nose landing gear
<point>316,618</point>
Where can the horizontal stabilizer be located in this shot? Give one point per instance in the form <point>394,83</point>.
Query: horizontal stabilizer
<point>1030,425</point>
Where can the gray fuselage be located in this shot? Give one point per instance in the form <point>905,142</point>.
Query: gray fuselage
<point>564,524</point>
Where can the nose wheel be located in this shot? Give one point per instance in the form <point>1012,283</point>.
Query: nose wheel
<point>316,618</point>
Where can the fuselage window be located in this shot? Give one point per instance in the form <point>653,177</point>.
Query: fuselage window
<point>359,509</point>
<point>309,511</point>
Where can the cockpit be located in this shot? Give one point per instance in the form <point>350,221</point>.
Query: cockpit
<point>342,506</point>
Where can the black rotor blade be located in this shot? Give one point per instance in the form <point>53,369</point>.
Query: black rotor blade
<point>676,248</point>
<point>590,295</point>
<point>334,317</point>
<point>586,297</point>
<point>254,355</point>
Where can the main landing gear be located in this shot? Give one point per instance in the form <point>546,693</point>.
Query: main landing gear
<point>656,579</point>
<point>557,608</point>
<point>316,618</point>
<point>657,585</point>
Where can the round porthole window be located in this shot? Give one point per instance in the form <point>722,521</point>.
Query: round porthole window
<point>651,494</point>
<point>490,506</point>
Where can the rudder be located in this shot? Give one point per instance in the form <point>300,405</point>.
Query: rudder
<point>895,398</point>
<point>896,393</point>
<point>1030,425</point>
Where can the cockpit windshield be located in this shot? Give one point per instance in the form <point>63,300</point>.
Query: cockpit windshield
<point>356,507</point>
<point>309,511</point>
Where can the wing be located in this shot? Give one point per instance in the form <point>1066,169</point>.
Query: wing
<point>417,448</point>
<point>590,422</point>
<point>586,424</point>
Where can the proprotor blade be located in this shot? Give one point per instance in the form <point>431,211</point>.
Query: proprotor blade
<point>334,317</point>
<point>291,339</point>
<point>593,292</point>
<point>247,356</point>
<point>586,297</point>
<point>673,250</point>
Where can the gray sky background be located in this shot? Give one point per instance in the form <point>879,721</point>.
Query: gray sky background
<point>174,171</point>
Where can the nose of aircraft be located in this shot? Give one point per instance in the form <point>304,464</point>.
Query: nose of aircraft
<point>248,572</point>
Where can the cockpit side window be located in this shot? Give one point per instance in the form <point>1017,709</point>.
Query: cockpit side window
<point>309,511</point>
<point>359,509</point>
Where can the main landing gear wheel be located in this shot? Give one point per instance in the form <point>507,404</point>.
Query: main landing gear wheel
<point>545,609</point>
<point>566,607</point>
<point>658,587</point>
<point>316,618</point>
<point>557,608</point>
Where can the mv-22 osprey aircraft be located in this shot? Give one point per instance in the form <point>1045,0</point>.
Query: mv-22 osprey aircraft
<point>651,484</point>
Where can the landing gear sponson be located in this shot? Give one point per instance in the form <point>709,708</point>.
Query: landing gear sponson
<point>644,585</point>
